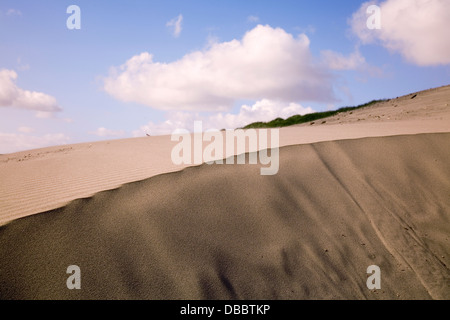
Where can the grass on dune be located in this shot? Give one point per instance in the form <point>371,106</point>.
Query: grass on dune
<point>297,119</point>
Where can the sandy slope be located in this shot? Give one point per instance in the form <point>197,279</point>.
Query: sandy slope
<point>361,188</point>
<point>225,231</point>
<point>43,179</point>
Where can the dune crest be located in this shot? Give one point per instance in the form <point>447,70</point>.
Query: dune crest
<point>44,179</point>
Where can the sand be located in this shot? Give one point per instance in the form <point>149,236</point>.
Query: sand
<point>348,194</point>
<point>38,180</point>
<point>226,232</point>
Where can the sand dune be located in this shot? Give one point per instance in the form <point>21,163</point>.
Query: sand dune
<point>43,179</point>
<point>365,188</point>
<point>225,231</point>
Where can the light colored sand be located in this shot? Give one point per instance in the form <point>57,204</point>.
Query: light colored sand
<point>432,104</point>
<point>226,232</point>
<point>43,179</point>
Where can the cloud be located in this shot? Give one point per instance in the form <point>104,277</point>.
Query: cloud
<point>337,61</point>
<point>21,66</point>
<point>13,12</point>
<point>175,25</point>
<point>13,142</point>
<point>252,19</point>
<point>354,61</point>
<point>418,30</point>
<point>103,132</point>
<point>262,110</point>
<point>267,63</point>
<point>308,29</point>
<point>176,120</point>
<point>24,129</point>
<point>52,115</point>
<point>13,96</point>
<point>44,115</point>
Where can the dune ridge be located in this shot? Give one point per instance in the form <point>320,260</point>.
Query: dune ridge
<point>226,232</point>
<point>39,180</point>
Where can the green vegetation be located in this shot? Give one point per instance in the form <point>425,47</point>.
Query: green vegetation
<point>297,119</point>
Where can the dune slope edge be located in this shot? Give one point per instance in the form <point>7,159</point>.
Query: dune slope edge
<point>226,232</point>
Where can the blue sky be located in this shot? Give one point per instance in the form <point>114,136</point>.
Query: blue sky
<point>57,78</point>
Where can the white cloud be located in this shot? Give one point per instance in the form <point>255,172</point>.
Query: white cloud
<point>252,18</point>
<point>176,120</point>
<point>337,61</point>
<point>354,61</point>
<point>175,25</point>
<point>51,115</point>
<point>44,115</point>
<point>358,24</point>
<point>12,142</point>
<point>13,12</point>
<point>263,110</point>
<point>25,129</point>
<point>267,63</point>
<point>103,132</point>
<point>13,96</point>
<point>308,29</point>
<point>21,66</point>
<point>418,30</point>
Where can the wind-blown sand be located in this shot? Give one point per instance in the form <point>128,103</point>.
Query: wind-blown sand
<point>379,194</point>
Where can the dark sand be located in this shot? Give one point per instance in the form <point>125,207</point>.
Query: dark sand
<point>226,232</point>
